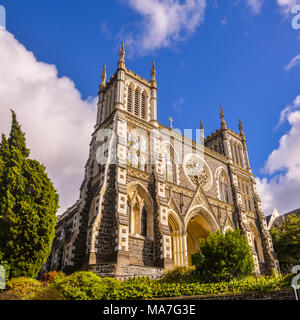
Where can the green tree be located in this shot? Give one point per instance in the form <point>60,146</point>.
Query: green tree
<point>286,241</point>
<point>28,205</point>
<point>223,257</point>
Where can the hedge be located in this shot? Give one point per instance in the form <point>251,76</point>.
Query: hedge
<point>88,286</point>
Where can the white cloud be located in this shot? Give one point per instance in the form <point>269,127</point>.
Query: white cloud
<point>286,5</point>
<point>295,61</point>
<point>255,5</point>
<point>223,21</point>
<point>51,111</point>
<point>281,190</point>
<point>177,106</point>
<point>104,29</point>
<point>164,22</point>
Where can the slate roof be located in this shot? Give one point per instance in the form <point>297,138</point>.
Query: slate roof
<point>279,220</point>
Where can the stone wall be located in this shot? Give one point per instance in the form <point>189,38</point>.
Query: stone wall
<point>105,243</point>
<point>126,271</point>
<point>141,250</point>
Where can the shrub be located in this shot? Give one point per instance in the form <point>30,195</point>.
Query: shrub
<point>223,257</point>
<point>88,286</point>
<point>84,285</point>
<point>145,288</point>
<point>50,276</point>
<point>24,288</point>
<point>186,274</point>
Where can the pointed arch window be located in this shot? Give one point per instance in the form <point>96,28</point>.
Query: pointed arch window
<point>140,213</point>
<point>129,99</point>
<point>144,221</point>
<point>137,102</point>
<point>168,165</point>
<point>143,107</point>
<point>224,190</point>
<point>233,152</point>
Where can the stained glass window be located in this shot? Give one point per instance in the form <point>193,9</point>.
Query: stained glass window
<point>223,188</point>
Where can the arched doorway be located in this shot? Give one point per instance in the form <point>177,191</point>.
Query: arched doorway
<point>199,226</point>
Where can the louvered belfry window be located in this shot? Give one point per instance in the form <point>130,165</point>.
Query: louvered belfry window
<point>136,103</point>
<point>129,100</point>
<point>143,109</point>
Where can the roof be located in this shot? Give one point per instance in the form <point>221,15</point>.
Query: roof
<point>279,220</point>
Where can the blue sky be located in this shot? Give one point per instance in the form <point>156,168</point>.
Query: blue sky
<point>233,53</point>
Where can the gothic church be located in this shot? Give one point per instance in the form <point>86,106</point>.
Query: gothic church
<point>149,193</point>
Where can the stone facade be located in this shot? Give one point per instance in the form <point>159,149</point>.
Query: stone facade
<point>150,193</point>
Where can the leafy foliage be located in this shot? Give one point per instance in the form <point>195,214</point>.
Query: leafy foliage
<point>286,241</point>
<point>186,274</point>
<point>49,277</point>
<point>84,286</point>
<point>28,205</point>
<point>24,288</point>
<point>223,257</point>
<point>88,286</point>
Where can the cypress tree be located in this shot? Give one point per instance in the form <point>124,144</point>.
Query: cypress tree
<point>28,205</point>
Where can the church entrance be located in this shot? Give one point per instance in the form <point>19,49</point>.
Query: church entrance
<point>197,228</point>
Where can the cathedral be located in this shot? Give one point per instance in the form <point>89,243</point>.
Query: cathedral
<point>150,193</point>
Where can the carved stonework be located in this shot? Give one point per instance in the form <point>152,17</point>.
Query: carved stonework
<point>196,172</point>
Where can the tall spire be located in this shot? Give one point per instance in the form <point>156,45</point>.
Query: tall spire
<point>240,125</point>
<point>103,76</point>
<point>241,128</point>
<point>122,57</point>
<point>223,122</point>
<point>153,72</point>
<point>202,137</point>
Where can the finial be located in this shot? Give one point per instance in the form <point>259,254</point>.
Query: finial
<point>221,112</point>
<point>223,122</point>
<point>241,128</point>
<point>202,137</point>
<point>171,122</point>
<point>122,53</point>
<point>103,76</point>
<point>153,71</point>
<point>240,125</point>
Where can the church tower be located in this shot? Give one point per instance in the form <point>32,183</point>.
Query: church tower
<point>149,193</point>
